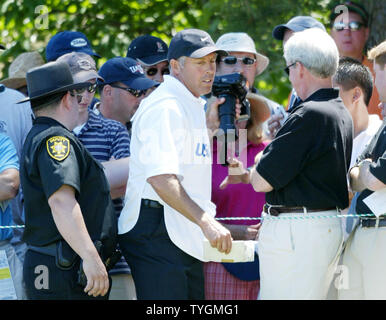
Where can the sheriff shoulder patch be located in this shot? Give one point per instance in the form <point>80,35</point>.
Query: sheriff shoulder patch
<point>58,147</point>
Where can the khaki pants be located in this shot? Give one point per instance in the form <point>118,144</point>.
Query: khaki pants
<point>122,287</point>
<point>365,260</point>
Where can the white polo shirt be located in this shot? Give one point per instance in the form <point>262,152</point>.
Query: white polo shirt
<point>169,136</point>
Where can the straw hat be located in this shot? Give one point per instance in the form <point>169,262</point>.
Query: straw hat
<point>19,67</point>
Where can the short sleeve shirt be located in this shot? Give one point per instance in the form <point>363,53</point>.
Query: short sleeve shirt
<point>376,151</point>
<point>53,157</point>
<point>307,162</point>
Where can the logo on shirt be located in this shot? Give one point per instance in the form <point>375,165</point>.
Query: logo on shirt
<point>202,150</point>
<point>58,147</point>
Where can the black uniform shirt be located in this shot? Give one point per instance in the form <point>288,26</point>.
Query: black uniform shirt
<point>307,162</point>
<point>52,157</point>
<point>376,151</point>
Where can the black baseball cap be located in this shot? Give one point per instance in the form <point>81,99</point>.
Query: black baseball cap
<point>127,71</point>
<point>193,43</point>
<point>352,7</point>
<point>148,50</point>
<point>296,24</point>
<point>66,42</point>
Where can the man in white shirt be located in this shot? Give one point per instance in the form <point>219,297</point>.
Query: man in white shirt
<point>168,212</point>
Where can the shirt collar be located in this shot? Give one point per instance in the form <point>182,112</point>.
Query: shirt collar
<point>182,91</point>
<point>323,94</point>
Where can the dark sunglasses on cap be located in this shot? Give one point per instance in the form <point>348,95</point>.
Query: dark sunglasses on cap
<point>134,92</point>
<point>233,60</point>
<point>91,88</point>
<point>352,25</point>
<point>153,71</point>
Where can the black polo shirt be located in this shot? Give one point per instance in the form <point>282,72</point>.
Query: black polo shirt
<point>52,156</point>
<point>307,162</point>
<point>376,151</point>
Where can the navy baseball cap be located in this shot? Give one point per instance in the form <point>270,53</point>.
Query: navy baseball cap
<point>296,24</point>
<point>351,7</point>
<point>193,43</point>
<point>127,71</point>
<point>68,41</point>
<point>148,50</point>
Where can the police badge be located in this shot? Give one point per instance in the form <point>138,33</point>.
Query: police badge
<point>58,147</point>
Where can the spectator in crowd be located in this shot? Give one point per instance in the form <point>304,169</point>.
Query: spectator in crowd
<point>69,212</point>
<point>124,87</point>
<point>105,139</point>
<point>168,212</point>
<point>238,281</point>
<point>363,255</point>
<point>350,31</point>
<point>18,69</point>
<point>152,53</point>
<point>244,58</point>
<point>283,32</point>
<point>315,139</point>
<point>9,186</point>
<point>68,41</point>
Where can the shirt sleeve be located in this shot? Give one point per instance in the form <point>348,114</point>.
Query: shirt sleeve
<point>55,173</point>
<point>121,144</point>
<point>289,152</point>
<point>378,169</point>
<point>8,156</point>
<point>162,137</point>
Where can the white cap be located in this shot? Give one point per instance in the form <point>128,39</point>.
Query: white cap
<point>242,42</point>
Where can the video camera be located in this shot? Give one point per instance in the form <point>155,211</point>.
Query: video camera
<point>231,86</point>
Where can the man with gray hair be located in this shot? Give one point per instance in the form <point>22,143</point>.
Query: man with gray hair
<point>300,237</point>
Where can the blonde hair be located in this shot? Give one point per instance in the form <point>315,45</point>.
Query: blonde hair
<point>378,54</point>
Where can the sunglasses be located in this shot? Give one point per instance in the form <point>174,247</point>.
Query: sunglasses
<point>77,95</point>
<point>352,25</point>
<point>233,60</point>
<point>153,71</point>
<point>91,88</point>
<point>286,69</point>
<point>134,92</point>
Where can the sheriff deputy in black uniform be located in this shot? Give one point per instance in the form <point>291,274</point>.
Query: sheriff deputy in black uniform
<point>68,208</point>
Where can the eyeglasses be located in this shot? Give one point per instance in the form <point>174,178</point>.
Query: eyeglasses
<point>77,95</point>
<point>233,60</point>
<point>352,25</point>
<point>286,69</point>
<point>153,71</point>
<point>91,88</point>
<point>134,92</point>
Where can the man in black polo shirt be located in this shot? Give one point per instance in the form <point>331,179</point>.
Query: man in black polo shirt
<point>303,171</point>
<point>68,209</point>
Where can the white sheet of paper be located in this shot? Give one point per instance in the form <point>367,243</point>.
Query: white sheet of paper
<point>242,251</point>
<point>377,202</point>
<point>7,290</point>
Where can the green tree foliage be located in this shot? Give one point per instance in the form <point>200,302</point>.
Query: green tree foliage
<point>110,25</point>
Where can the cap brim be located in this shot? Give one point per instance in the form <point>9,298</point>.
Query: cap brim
<point>202,52</point>
<point>141,83</point>
<point>63,89</point>
<point>278,32</point>
<point>14,83</point>
<point>152,60</point>
<point>89,52</point>
<point>2,47</point>
<point>260,110</point>
<point>84,76</point>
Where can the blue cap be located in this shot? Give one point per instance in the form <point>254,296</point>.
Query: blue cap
<point>148,50</point>
<point>193,43</point>
<point>296,24</point>
<point>127,71</point>
<point>66,42</point>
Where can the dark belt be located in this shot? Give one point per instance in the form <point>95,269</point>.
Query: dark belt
<point>151,204</point>
<point>371,223</point>
<point>48,250</point>
<point>276,210</point>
